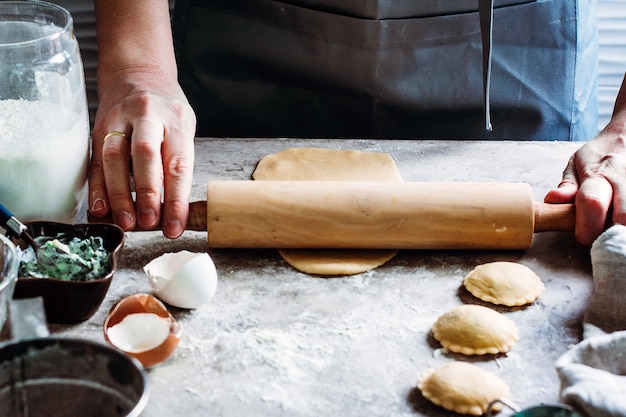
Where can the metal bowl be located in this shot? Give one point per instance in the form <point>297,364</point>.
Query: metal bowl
<point>65,377</point>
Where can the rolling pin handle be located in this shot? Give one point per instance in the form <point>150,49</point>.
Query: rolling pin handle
<point>554,217</point>
<point>196,220</point>
<point>197,217</point>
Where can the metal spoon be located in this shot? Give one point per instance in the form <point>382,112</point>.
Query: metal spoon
<point>18,230</point>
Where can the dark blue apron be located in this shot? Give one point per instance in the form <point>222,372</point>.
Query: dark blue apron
<point>388,68</point>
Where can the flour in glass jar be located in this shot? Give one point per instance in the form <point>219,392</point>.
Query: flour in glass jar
<point>43,160</point>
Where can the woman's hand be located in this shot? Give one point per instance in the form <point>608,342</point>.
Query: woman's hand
<point>159,125</point>
<point>144,120</point>
<point>595,179</point>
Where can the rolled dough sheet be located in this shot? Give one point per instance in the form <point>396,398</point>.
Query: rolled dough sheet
<point>310,164</point>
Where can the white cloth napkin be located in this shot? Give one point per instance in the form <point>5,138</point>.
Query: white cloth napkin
<point>593,373</point>
<point>606,311</point>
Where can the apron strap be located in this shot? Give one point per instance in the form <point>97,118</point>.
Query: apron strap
<point>485,11</point>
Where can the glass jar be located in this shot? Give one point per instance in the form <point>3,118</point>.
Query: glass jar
<point>44,123</point>
<point>9,262</point>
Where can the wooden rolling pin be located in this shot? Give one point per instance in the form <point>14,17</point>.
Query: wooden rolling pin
<point>374,215</point>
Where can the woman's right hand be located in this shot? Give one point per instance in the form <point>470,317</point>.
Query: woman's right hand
<point>159,126</point>
<point>145,118</point>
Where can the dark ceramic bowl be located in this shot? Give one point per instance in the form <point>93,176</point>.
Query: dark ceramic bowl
<point>71,301</point>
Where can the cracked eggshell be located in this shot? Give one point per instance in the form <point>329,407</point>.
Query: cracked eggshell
<point>142,327</point>
<point>183,279</point>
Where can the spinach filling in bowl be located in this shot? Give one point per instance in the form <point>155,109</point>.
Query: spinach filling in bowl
<point>67,258</point>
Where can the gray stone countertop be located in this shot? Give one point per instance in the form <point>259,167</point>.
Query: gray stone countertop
<point>276,342</point>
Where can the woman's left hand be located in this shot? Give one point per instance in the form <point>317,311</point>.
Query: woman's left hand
<point>595,179</point>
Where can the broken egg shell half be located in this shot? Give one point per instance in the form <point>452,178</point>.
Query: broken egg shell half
<point>183,279</point>
<point>142,327</point>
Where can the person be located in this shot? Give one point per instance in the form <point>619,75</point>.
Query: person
<point>595,178</point>
<point>141,96</point>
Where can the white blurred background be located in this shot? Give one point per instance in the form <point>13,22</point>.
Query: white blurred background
<point>612,32</point>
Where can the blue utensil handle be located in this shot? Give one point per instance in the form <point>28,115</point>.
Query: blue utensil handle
<point>13,226</point>
<point>5,215</point>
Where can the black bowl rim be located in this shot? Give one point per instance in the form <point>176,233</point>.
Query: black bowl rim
<point>38,225</point>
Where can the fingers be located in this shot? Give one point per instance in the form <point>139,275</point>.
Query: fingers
<point>162,170</point>
<point>564,193</point>
<point>567,189</point>
<point>147,138</point>
<point>178,159</point>
<point>614,170</point>
<point>98,199</point>
<point>593,202</point>
<point>593,193</point>
<point>619,204</point>
<point>115,152</point>
<point>172,172</point>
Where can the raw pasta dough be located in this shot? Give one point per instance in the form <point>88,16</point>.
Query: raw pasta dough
<point>462,388</point>
<point>506,283</point>
<point>475,330</point>
<point>333,165</point>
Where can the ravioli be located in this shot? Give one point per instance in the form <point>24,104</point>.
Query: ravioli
<point>505,283</point>
<point>475,330</point>
<point>462,387</point>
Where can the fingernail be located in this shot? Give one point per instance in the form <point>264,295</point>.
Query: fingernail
<point>147,217</point>
<point>124,220</point>
<point>98,205</point>
<point>172,229</point>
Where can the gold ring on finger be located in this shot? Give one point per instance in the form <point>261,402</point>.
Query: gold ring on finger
<point>113,133</point>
